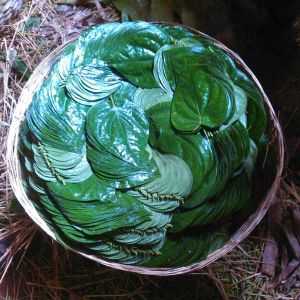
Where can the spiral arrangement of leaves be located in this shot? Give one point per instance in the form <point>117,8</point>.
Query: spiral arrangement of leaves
<point>141,139</point>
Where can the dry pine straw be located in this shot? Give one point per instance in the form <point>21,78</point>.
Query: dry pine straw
<point>38,268</point>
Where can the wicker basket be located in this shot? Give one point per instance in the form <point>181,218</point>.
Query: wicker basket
<point>15,177</point>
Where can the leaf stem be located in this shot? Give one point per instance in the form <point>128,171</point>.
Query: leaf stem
<point>44,153</point>
<point>112,100</point>
<point>159,197</point>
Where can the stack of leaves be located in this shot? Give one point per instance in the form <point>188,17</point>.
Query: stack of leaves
<point>141,144</point>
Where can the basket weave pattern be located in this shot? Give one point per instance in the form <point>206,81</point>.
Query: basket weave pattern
<point>15,177</point>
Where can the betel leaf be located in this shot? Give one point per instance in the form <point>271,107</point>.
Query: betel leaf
<point>219,53</point>
<point>88,45</point>
<point>177,32</point>
<point>118,136</point>
<point>147,98</point>
<point>53,164</point>
<point>229,200</point>
<point>55,119</point>
<point>130,49</point>
<point>97,210</point>
<point>89,84</point>
<point>159,123</point>
<point>195,150</point>
<point>161,72</point>
<point>182,250</point>
<point>126,91</point>
<point>24,146</point>
<point>191,54</point>
<point>175,177</point>
<point>230,148</point>
<point>249,162</point>
<point>140,145</point>
<point>132,238</point>
<point>240,101</point>
<point>201,100</point>
<point>169,59</point>
<point>65,63</point>
<point>256,118</point>
<point>71,235</point>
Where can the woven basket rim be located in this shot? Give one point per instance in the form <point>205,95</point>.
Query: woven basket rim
<point>15,178</point>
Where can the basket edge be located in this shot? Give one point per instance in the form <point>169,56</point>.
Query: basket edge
<point>13,167</point>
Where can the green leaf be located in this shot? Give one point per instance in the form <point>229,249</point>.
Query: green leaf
<point>206,42</point>
<point>65,64</point>
<point>229,200</point>
<point>53,164</point>
<point>89,84</point>
<point>240,101</point>
<point>130,49</point>
<point>230,148</point>
<point>162,204</point>
<point>138,128</point>
<point>200,99</point>
<point>256,114</point>
<point>195,150</point>
<point>175,177</point>
<point>118,136</point>
<point>25,142</point>
<point>249,162</point>
<point>177,32</point>
<point>55,119</point>
<point>99,209</point>
<point>162,75</point>
<point>133,9</point>
<point>148,98</point>
<point>184,250</point>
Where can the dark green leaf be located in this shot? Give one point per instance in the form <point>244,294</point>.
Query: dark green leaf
<point>200,100</point>
<point>118,136</point>
<point>229,200</point>
<point>130,49</point>
<point>256,117</point>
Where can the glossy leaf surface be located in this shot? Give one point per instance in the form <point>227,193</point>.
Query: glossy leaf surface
<point>141,144</point>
